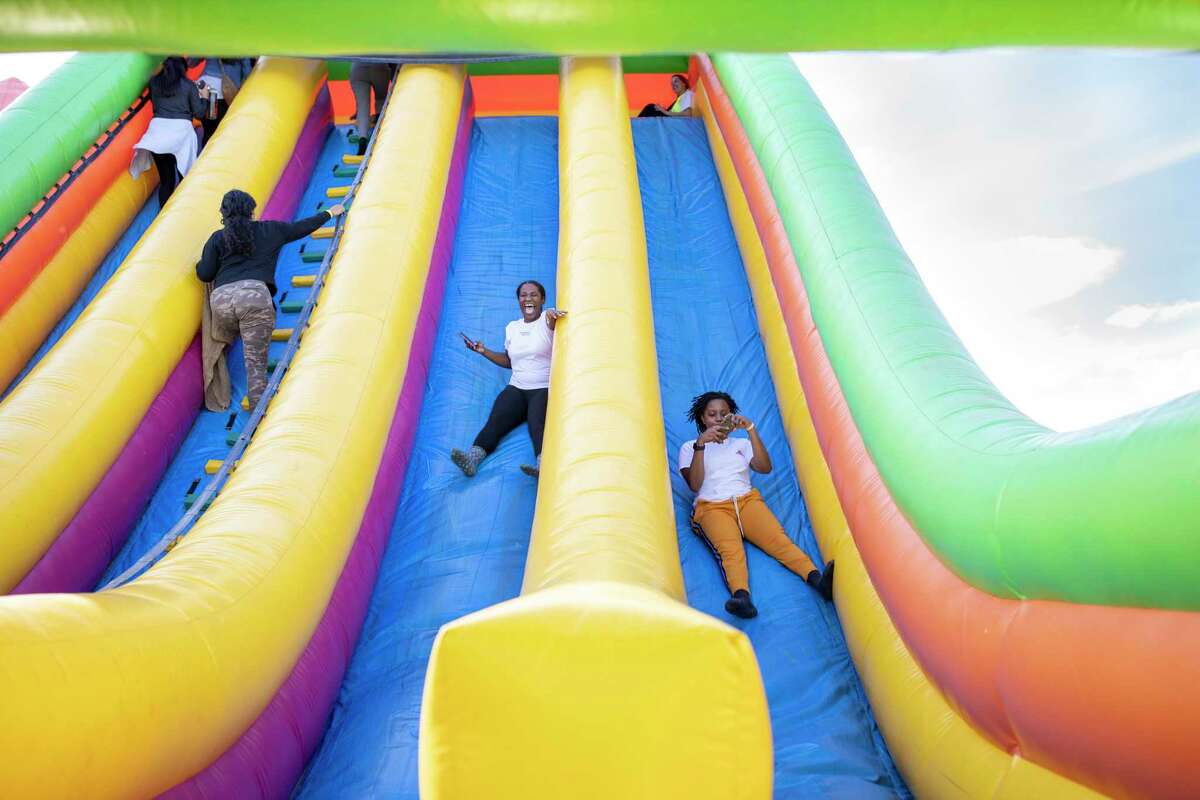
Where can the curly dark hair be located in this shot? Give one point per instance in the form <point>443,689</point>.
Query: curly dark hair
<point>237,212</point>
<point>700,402</point>
<point>541,289</point>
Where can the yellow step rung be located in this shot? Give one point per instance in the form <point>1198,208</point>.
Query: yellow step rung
<point>347,158</point>
<point>303,281</point>
<point>213,466</point>
<point>337,191</point>
<point>323,233</point>
<point>281,334</point>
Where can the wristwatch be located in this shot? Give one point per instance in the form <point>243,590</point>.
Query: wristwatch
<point>697,446</point>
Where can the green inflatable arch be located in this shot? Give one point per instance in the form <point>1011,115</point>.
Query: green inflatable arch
<point>44,132</point>
<point>1108,516</point>
<point>588,27</point>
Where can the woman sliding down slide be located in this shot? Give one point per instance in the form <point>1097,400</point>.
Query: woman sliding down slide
<point>729,509</point>
<point>528,343</point>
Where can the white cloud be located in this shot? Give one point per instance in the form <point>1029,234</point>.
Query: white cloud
<point>1025,272</point>
<point>977,159</point>
<point>1144,163</point>
<point>1068,379</point>
<point>1137,315</point>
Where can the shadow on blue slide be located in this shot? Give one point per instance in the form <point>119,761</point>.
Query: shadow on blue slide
<point>458,544</point>
<point>826,742</point>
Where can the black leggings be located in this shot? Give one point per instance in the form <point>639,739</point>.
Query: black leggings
<point>512,407</point>
<point>649,110</point>
<point>167,176</point>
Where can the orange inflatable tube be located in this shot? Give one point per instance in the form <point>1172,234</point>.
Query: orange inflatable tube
<point>1105,696</point>
<point>21,260</point>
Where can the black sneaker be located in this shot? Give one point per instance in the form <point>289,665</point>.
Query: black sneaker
<point>740,606</point>
<point>822,581</point>
<point>362,146</point>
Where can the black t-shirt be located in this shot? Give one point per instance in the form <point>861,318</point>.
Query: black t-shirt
<point>220,267</point>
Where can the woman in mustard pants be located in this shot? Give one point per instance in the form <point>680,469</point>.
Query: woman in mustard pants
<point>728,509</point>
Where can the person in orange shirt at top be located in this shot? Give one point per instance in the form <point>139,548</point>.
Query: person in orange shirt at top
<point>728,509</point>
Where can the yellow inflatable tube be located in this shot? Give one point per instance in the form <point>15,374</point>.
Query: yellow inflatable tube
<point>66,422</point>
<point>125,693</point>
<point>937,751</point>
<point>27,322</point>
<point>599,681</point>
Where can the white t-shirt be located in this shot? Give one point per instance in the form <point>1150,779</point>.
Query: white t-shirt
<point>726,468</point>
<point>683,102</point>
<point>528,345</point>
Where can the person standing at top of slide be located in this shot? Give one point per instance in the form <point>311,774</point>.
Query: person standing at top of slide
<point>366,77</point>
<point>170,140</point>
<point>528,344</point>
<point>222,76</point>
<point>684,99</point>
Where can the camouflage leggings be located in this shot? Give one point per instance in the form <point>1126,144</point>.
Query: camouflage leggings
<point>246,307</point>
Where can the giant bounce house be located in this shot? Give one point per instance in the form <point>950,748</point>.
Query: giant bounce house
<point>307,598</point>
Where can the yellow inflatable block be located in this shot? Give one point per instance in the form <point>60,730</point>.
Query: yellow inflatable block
<point>29,320</point>
<point>66,422</point>
<point>599,681</point>
<point>125,693</point>
<point>937,751</point>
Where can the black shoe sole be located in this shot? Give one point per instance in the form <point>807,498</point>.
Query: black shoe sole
<point>739,610</point>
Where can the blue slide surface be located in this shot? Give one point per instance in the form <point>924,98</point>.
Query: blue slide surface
<point>207,438</point>
<point>827,744</point>
<point>458,544</point>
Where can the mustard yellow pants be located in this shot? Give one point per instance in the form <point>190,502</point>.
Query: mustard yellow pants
<point>724,524</point>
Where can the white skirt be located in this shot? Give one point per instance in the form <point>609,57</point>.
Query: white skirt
<point>174,136</point>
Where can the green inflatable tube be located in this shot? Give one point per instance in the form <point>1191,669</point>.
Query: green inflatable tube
<point>589,27</point>
<point>50,126</point>
<point>1110,515</point>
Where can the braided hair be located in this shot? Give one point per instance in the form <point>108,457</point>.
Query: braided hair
<point>700,402</point>
<point>237,209</point>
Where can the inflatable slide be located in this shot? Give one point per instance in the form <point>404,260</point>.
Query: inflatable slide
<point>68,199</point>
<point>309,599</point>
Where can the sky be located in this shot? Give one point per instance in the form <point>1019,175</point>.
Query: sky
<point>1048,200</point>
<point>1046,197</point>
<point>30,67</point>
